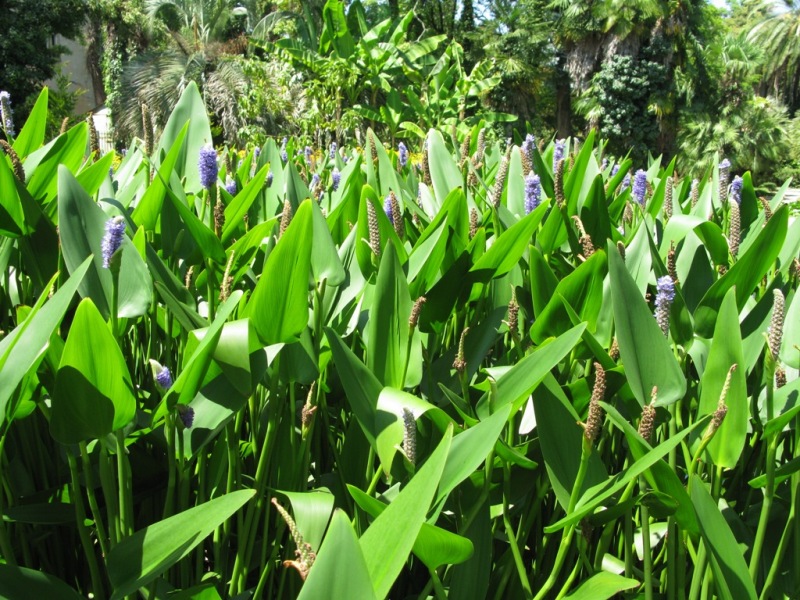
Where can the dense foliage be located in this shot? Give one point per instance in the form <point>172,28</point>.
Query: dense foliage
<point>449,368</point>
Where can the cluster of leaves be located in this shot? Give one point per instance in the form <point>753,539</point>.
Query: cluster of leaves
<point>319,413</point>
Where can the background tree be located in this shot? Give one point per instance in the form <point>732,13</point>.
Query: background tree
<point>27,53</point>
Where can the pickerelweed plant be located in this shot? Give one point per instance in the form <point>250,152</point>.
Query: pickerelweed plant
<point>505,373</point>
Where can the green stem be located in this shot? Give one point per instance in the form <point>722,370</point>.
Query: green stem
<point>93,506</point>
<point>648,559</point>
<point>521,572</point>
<point>83,531</point>
<point>5,543</point>
<point>763,520</point>
<point>441,594</point>
<point>566,539</point>
<point>699,572</point>
<point>125,488</point>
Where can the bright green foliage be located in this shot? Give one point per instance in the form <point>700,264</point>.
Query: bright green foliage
<point>410,379</point>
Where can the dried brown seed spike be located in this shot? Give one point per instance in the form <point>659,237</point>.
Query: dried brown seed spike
<point>374,229</point>
<point>16,163</point>
<point>415,312</point>
<point>410,436</point>
<point>671,268</point>
<point>286,217</point>
<point>473,222</point>
<point>460,362</point>
<point>559,182</point>
<point>668,199</point>
<point>734,233</point>
<point>594,420</point>
<point>647,423</point>
<point>776,323</point>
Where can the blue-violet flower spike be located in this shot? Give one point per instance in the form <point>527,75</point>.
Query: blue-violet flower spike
<point>533,192</point>
<point>736,189</point>
<point>207,166</point>
<point>665,294</point>
<point>387,208</point>
<point>6,113</point>
<point>186,414</point>
<point>164,378</point>
<point>336,178</point>
<point>230,187</point>
<point>402,154</point>
<point>112,240</point>
<point>639,186</point>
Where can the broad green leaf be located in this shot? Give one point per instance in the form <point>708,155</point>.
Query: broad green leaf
<point>387,330</point>
<point>65,153</point>
<point>32,134</point>
<point>745,274</point>
<point>645,352</point>
<point>517,383</point>
<point>470,449</point>
<point>599,494</point>
<point>207,244</point>
<point>93,175</point>
<point>790,344</point>
<point>560,437</point>
<point>12,212</point>
<point>93,394</point>
<point>445,175</point>
<point>507,249</point>
<point>18,582</point>
<point>360,385</point>
<point>660,477</point>
<point>401,522</point>
<point>311,511</point>
<point>731,575</point>
<point>149,207</point>
<point>21,348</point>
<point>325,261</point>
<point>340,553</point>
<point>82,227</point>
<point>190,109</point>
<point>279,304</point>
<point>140,558</point>
<point>726,350</point>
<point>583,290</point>
<point>601,586</point>
<point>434,546</point>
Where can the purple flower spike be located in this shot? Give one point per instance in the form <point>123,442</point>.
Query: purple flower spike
<point>402,154</point>
<point>336,178</point>
<point>558,153</point>
<point>614,170</point>
<point>284,154</point>
<point>112,240</point>
<point>208,167</point>
<point>186,414</point>
<point>6,113</point>
<point>640,186</point>
<point>387,208</point>
<point>626,182</point>
<point>307,153</point>
<point>164,378</point>
<point>665,294</point>
<point>528,145</point>
<point>314,181</point>
<point>332,153</point>
<point>270,176</point>
<point>230,187</point>
<point>736,189</point>
<point>257,152</point>
<point>533,192</point>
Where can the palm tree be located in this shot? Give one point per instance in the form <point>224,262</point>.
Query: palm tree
<point>778,34</point>
<point>200,49</point>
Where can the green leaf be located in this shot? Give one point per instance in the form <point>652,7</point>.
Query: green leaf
<point>582,290</point>
<point>191,110</point>
<point>731,575</point>
<point>516,384</point>
<point>601,586</point>
<point>445,174</point>
<point>21,348</point>
<point>340,553</point>
<point>401,522</point>
<point>434,546</point>
<point>469,449</point>
<point>645,352</point>
<point>312,511</point>
<point>387,330</point>
<point>325,261</point>
<point>32,134</point>
<point>279,304</point>
<point>745,274</point>
<point>93,394</point>
<point>726,350</point>
<point>207,244</point>
<point>560,438</point>
<point>596,496</point>
<point>17,583</point>
<point>507,249</point>
<point>65,153</point>
<point>360,385</point>
<point>149,207</point>
<point>81,228</point>
<point>140,558</point>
